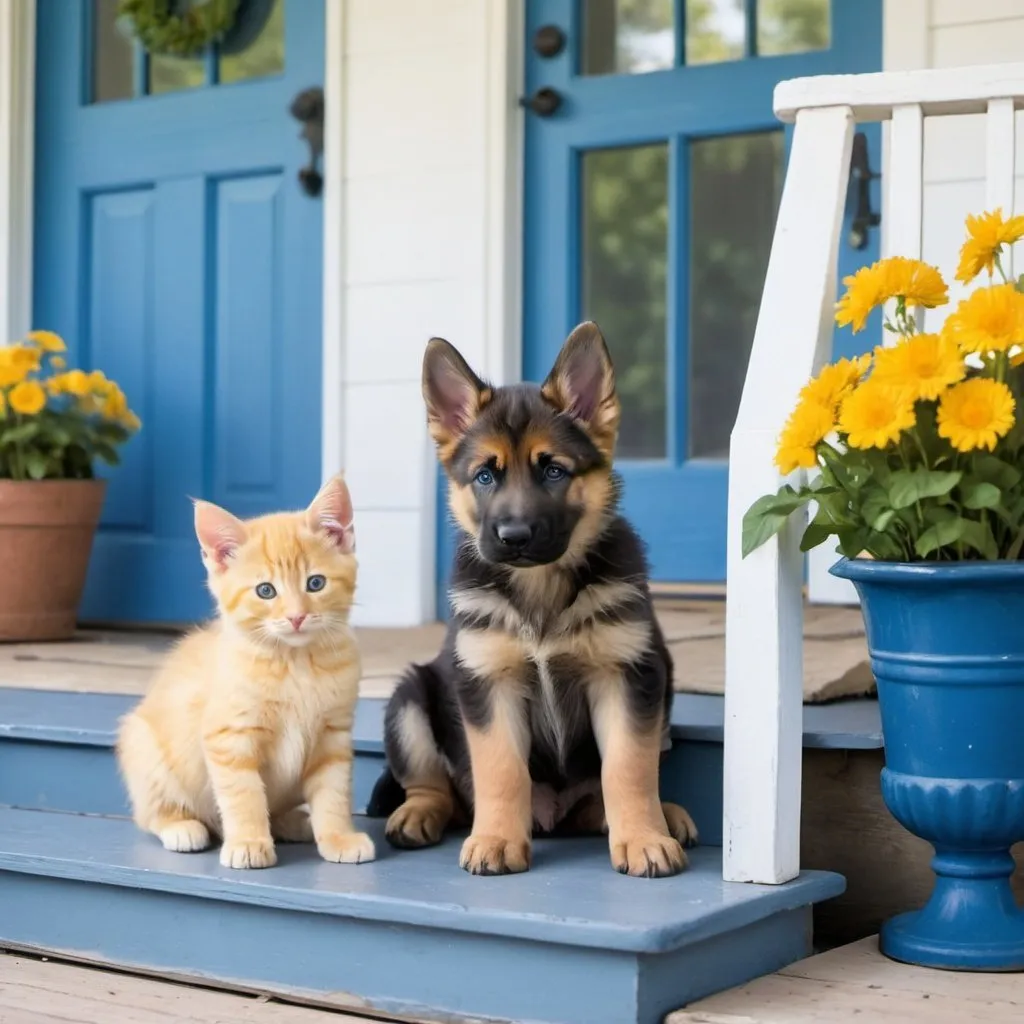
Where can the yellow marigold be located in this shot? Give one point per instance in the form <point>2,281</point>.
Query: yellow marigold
<point>835,381</point>
<point>3,404</point>
<point>48,341</point>
<point>874,415</point>
<point>58,362</point>
<point>115,405</point>
<point>130,421</point>
<point>28,397</point>
<point>16,363</point>
<point>810,423</point>
<point>74,382</point>
<point>976,413</point>
<point>988,320</point>
<point>917,283</point>
<point>986,235</point>
<point>922,366</point>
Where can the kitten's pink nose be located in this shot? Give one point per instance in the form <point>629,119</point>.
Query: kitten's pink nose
<point>296,621</point>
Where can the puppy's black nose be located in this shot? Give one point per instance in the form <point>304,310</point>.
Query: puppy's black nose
<point>514,534</point>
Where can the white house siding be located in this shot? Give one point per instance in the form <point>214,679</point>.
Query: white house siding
<point>422,212</point>
<point>963,32</point>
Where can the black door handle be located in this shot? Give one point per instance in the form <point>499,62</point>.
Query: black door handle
<point>861,175</point>
<point>308,109</point>
<point>544,102</point>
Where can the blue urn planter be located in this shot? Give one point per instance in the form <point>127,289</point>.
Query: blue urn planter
<point>947,650</point>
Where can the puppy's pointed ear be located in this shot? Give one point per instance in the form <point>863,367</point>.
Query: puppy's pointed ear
<point>453,393</point>
<point>582,385</point>
<point>331,513</point>
<point>220,534</point>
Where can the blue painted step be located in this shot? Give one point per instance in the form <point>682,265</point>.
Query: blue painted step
<point>56,750</point>
<point>571,942</point>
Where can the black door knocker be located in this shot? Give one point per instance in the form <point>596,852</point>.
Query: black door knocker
<point>861,175</point>
<point>308,108</point>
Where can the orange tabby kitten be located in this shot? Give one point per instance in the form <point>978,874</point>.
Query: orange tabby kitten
<point>251,716</point>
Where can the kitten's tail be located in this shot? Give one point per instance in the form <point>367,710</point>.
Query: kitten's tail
<point>387,796</point>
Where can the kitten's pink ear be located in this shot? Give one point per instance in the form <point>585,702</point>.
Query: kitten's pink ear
<point>220,533</point>
<point>331,513</point>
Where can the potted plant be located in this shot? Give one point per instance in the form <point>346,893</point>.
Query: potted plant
<point>55,424</point>
<point>917,452</point>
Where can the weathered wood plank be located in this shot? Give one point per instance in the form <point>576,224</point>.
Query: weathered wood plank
<point>45,992</point>
<point>856,983</point>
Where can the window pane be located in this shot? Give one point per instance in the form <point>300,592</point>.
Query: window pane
<point>716,31</point>
<point>623,276</point>
<point>113,60</point>
<point>172,74</point>
<point>793,26</point>
<point>627,36</point>
<point>736,182</point>
<point>260,48</point>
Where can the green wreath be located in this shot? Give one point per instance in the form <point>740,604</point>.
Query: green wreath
<point>162,27</point>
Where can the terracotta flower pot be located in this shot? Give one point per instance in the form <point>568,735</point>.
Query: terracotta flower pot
<point>46,533</point>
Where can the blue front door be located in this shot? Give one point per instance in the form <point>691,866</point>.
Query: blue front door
<point>176,251</point>
<point>651,193</point>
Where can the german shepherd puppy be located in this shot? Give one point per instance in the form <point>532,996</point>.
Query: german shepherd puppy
<point>547,708</point>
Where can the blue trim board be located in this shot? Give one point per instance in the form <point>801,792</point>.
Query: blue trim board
<point>90,719</point>
<point>571,941</point>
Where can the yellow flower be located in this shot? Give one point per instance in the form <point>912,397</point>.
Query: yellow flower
<point>921,366</point>
<point>976,413</point>
<point>28,397</point>
<point>919,284</point>
<point>115,405</point>
<point>874,415</point>
<point>988,320</point>
<point>986,235</point>
<point>835,381</point>
<point>130,421</point>
<point>74,382</point>
<point>58,362</point>
<point>16,363</point>
<point>3,404</point>
<point>47,341</point>
<point>810,423</point>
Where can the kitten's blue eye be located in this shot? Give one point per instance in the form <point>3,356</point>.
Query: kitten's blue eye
<point>316,583</point>
<point>266,591</point>
<point>552,471</point>
<point>484,477</point>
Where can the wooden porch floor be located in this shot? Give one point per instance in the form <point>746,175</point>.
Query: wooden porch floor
<point>852,984</point>
<point>99,661</point>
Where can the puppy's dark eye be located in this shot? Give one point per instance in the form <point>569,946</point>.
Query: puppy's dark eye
<point>316,583</point>
<point>266,591</point>
<point>484,477</point>
<point>552,471</point>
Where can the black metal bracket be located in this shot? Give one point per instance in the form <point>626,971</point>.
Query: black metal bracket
<point>861,176</point>
<point>308,108</point>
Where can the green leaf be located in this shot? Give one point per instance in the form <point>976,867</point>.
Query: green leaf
<point>912,485</point>
<point>876,510</point>
<point>815,534</point>
<point>107,453</point>
<point>36,463</point>
<point>852,541</point>
<point>979,536</point>
<point>768,515</point>
<point>19,433</point>
<point>978,494</point>
<point>994,471</point>
<point>944,532</point>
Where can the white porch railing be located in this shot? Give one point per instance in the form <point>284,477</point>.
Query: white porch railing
<point>793,338</point>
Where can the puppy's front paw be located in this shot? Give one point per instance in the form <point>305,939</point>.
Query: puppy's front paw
<point>416,824</point>
<point>647,854</point>
<point>254,853</point>
<point>680,825</point>
<point>346,847</point>
<point>495,855</point>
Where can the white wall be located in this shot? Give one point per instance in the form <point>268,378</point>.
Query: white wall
<point>430,222</point>
<point>958,33</point>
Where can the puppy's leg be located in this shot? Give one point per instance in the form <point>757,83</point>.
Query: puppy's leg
<point>418,765</point>
<point>627,719</point>
<point>497,729</point>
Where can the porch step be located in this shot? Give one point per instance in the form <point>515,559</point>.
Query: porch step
<point>56,750</point>
<point>570,942</point>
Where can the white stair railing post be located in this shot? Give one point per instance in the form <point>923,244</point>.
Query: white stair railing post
<point>764,614</point>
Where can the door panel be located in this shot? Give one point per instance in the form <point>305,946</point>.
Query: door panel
<point>651,195</point>
<point>176,252</point>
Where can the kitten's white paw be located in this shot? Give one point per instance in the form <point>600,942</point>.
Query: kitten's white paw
<point>293,826</point>
<point>185,836</point>
<point>346,847</point>
<point>259,853</point>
